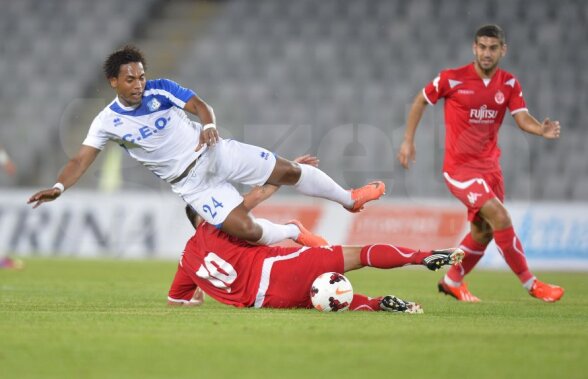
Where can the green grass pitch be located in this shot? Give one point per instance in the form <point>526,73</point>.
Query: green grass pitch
<point>62,318</point>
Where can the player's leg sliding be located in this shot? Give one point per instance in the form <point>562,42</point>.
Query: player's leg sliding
<point>388,303</point>
<point>390,256</point>
<point>514,255</point>
<point>391,303</point>
<point>443,257</point>
<point>314,182</point>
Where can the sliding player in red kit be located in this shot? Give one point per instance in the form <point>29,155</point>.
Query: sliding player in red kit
<point>476,99</point>
<point>238,273</point>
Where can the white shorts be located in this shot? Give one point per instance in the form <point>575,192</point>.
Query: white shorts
<point>207,187</point>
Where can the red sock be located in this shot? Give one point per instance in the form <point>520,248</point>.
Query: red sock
<point>364,303</point>
<point>511,249</point>
<point>473,253</point>
<point>389,256</point>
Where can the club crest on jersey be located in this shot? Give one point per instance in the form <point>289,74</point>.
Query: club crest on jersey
<point>499,97</point>
<point>153,105</point>
<point>473,197</point>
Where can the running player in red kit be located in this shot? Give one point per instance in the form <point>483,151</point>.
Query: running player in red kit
<point>476,98</point>
<point>238,273</point>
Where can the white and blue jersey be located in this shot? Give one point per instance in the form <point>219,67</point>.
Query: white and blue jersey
<point>157,133</point>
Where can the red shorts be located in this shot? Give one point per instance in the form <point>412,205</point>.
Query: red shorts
<point>286,280</point>
<point>474,190</point>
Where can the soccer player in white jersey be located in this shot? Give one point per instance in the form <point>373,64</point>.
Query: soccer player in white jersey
<point>147,119</point>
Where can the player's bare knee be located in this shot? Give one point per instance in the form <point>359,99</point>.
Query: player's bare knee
<point>250,230</point>
<point>285,173</point>
<point>482,236</point>
<point>243,227</point>
<point>501,220</point>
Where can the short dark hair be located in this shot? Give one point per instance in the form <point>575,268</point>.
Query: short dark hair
<point>128,54</point>
<point>490,30</point>
<point>192,215</point>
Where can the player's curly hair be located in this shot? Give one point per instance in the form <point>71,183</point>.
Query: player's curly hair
<point>490,30</point>
<point>128,54</point>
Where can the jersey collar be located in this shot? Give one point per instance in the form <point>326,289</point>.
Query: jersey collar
<point>123,107</point>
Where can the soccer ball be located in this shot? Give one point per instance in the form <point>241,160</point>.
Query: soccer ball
<point>331,292</point>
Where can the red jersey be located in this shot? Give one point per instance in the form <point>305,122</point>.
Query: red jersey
<point>227,268</point>
<point>474,111</point>
<point>237,273</point>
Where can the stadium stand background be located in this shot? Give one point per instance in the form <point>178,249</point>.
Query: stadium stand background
<point>333,78</point>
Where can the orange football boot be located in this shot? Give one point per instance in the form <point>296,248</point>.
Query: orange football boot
<point>306,237</point>
<point>547,292</point>
<point>369,192</point>
<point>461,293</point>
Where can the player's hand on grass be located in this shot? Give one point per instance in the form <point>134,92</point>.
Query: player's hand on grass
<point>307,159</point>
<point>44,196</point>
<point>197,298</point>
<point>550,129</point>
<point>406,154</point>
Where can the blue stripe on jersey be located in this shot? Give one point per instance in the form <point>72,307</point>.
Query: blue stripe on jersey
<point>176,90</point>
<point>168,94</point>
<point>145,107</point>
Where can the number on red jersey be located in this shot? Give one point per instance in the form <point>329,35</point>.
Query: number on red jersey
<point>217,271</point>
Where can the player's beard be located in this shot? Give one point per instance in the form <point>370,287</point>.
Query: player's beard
<point>485,68</point>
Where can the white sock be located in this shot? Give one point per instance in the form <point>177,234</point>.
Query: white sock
<point>450,282</point>
<point>529,283</point>
<point>274,233</point>
<point>314,182</point>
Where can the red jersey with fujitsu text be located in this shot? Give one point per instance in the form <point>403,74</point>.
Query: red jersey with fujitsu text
<point>227,268</point>
<point>474,111</point>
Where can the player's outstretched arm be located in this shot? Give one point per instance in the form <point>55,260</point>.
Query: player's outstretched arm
<point>69,175</point>
<point>209,135</point>
<point>262,193</point>
<point>547,129</point>
<point>407,152</point>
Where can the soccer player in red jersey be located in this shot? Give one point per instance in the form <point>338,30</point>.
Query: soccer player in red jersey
<point>476,98</point>
<point>237,273</point>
